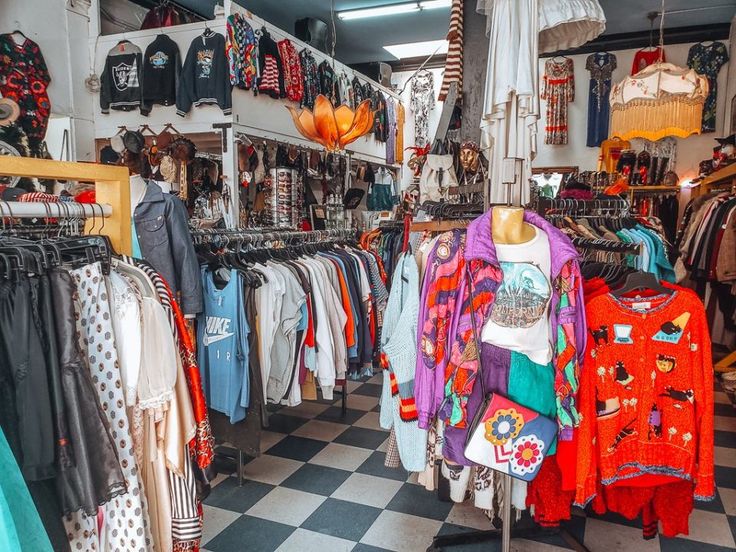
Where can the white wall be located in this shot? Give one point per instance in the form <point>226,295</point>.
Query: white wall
<point>690,151</point>
<point>398,80</point>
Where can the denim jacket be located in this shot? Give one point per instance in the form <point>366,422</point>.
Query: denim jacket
<point>448,357</point>
<point>161,224</point>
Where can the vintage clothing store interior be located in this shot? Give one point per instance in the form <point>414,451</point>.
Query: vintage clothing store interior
<point>367,276</point>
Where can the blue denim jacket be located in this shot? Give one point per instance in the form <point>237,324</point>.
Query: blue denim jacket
<point>162,228</point>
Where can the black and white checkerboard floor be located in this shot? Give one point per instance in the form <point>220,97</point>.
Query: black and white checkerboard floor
<point>321,486</point>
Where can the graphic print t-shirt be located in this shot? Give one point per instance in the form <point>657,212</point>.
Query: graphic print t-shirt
<point>519,318</point>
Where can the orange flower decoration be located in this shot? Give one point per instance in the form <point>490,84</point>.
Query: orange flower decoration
<point>333,128</point>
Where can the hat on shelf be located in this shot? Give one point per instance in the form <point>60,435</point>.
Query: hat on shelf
<point>9,111</point>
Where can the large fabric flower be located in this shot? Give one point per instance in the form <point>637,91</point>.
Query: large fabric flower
<point>505,424</point>
<point>527,456</point>
<point>333,128</point>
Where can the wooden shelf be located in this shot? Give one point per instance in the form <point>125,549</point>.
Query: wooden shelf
<point>438,225</point>
<point>721,174</point>
<point>674,189</point>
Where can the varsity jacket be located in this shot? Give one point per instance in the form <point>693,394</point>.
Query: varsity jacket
<point>205,77</point>
<point>121,79</point>
<point>448,360</point>
<point>161,68</point>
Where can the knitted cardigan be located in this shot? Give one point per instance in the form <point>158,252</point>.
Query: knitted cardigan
<point>398,343</point>
<point>646,395</point>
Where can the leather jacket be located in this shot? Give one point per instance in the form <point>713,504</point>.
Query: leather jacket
<point>161,224</point>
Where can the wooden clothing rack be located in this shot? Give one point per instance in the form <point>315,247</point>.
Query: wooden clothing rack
<point>112,192</point>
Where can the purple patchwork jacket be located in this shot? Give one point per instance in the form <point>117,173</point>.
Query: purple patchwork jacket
<point>448,357</point>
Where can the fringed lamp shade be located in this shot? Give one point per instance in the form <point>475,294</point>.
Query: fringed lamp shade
<point>661,100</point>
<point>333,128</point>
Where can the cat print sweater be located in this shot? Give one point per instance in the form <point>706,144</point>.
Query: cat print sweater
<point>646,395</point>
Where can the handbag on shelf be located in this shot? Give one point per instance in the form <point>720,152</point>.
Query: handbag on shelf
<point>504,435</point>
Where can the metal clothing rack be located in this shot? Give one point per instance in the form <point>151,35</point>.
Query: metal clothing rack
<point>272,238</point>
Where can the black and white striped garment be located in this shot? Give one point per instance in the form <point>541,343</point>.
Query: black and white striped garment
<point>454,61</point>
<point>186,523</point>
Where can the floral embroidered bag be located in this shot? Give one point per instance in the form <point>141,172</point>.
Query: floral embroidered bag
<point>504,435</point>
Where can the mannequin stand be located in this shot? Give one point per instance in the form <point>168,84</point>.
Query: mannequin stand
<point>506,533</point>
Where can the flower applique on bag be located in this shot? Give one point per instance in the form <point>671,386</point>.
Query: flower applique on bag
<point>509,438</point>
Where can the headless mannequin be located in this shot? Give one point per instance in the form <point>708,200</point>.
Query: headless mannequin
<point>138,184</point>
<point>508,226</point>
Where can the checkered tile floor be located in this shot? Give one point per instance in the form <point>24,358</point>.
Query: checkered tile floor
<point>321,486</point>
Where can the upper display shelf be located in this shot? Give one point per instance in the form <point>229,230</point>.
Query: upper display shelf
<point>258,115</point>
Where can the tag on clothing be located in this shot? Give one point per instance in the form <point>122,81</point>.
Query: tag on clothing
<point>644,305</point>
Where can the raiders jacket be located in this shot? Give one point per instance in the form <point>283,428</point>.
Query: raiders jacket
<point>121,79</point>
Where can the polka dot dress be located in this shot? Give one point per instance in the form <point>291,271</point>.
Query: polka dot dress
<point>124,527</point>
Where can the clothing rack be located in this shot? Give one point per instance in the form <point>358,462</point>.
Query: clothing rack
<point>61,209</point>
<point>271,238</point>
<point>599,207</point>
<point>112,192</point>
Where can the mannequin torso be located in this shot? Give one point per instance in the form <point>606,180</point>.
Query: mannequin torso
<point>508,226</point>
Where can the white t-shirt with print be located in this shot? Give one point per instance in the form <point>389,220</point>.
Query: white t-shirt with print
<point>519,318</point>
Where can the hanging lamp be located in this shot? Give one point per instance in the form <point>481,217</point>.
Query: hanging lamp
<point>333,128</point>
<point>659,101</point>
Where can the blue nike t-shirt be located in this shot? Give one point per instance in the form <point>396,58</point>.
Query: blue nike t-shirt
<point>222,335</point>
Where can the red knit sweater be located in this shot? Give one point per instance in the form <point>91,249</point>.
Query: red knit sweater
<point>646,395</point>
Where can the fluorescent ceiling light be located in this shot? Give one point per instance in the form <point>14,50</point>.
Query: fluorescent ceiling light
<point>417,49</point>
<point>434,4</point>
<point>378,11</point>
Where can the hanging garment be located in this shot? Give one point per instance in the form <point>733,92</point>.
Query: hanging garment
<point>121,79</point>
<point>558,89</point>
<point>293,81</point>
<point>271,80</point>
<point>20,527</point>
<point>328,82</point>
<point>600,65</point>
<point>398,407</point>
<point>223,352</point>
<point>24,78</point>
<point>380,129</point>
<point>125,525</point>
<point>708,60</point>
<point>161,69</point>
<point>454,61</point>
<point>95,476</point>
<point>241,52</point>
<point>421,103</point>
<point>161,224</point>
<point>205,76</point>
<point>390,131</point>
<point>438,175</point>
<point>645,58</point>
<point>647,407</point>
<point>511,98</point>
<point>311,78</point>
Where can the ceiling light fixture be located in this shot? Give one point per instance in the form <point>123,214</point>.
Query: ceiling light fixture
<point>417,49</point>
<point>434,4</point>
<point>378,11</point>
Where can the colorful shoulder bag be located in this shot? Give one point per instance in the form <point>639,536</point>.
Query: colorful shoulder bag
<point>504,435</point>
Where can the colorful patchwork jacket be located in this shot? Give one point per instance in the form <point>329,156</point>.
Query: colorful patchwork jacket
<point>448,360</point>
